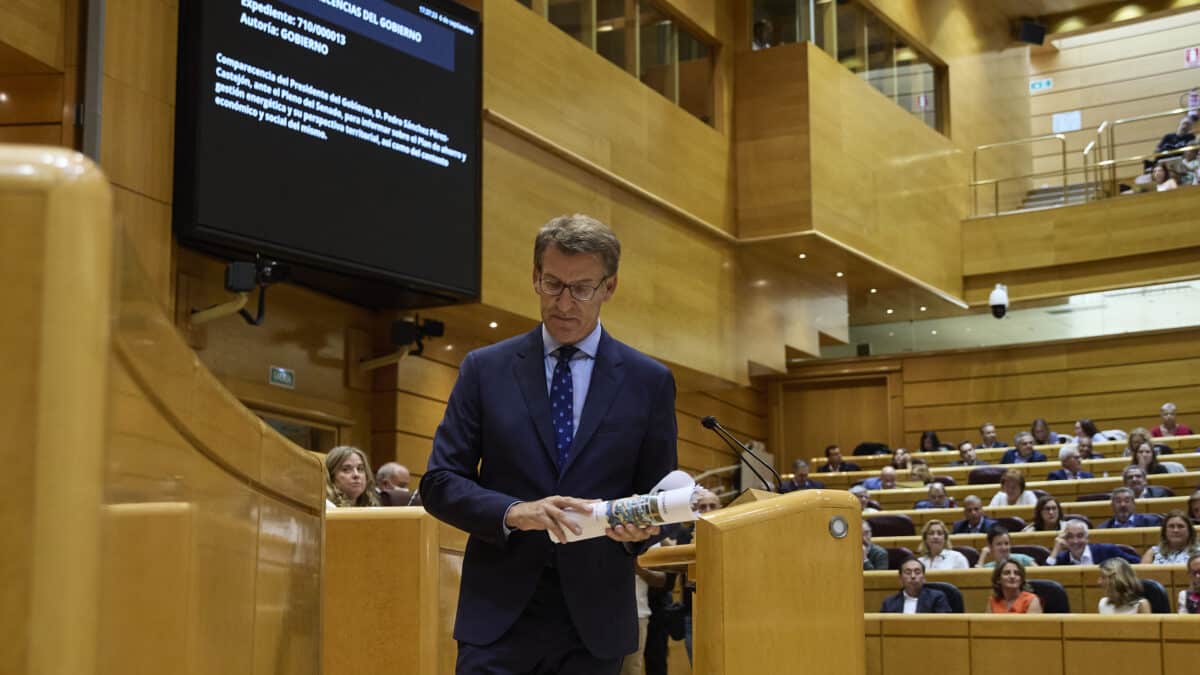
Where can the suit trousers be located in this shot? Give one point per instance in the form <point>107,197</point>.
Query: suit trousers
<point>543,641</point>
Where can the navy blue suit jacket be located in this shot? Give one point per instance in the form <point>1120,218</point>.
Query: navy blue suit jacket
<point>929,601</point>
<point>961,527</point>
<point>1100,553</point>
<point>1010,457</point>
<point>1135,520</point>
<point>495,446</point>
<point>1061,474</point>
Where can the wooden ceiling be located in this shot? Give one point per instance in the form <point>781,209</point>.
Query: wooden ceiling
<point>1032,8</point>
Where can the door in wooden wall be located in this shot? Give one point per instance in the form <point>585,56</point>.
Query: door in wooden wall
<point>845,412</point>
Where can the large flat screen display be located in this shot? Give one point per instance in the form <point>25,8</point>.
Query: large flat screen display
<point>341,136</point>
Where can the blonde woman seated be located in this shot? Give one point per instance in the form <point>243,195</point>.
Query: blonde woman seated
<point>935,552</point>
<point>1176,541</point>
<point>1122,589</point>
<point>1012,491</point>
<point>999,549</point>
<point>1010,593</point>
<point>348,479</point>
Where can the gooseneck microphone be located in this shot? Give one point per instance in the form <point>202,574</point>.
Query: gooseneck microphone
<point>711,423</point>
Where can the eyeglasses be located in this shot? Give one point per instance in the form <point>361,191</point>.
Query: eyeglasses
<point>553,287</point>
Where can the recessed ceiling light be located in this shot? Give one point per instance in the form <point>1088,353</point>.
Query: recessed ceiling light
<point>874,290</point>
<point>891,334</point>
<point>933,332</point>
<point>493,325</point>
<point>890,311</point>
<point>922,308</point>
<point>802,256</point>
<point>3,97</point>
<point>840,275</point>
<point>449,348</point>
<point>760,283</point>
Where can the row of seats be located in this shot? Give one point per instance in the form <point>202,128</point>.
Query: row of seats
<point>1054,597</point>
<point>907,522</point>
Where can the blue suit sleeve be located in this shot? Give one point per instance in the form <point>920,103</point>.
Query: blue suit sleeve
<point>658,455</point>
<point>450,488</point>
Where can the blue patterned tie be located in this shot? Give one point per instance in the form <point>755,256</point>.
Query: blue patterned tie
<point>562,404</point>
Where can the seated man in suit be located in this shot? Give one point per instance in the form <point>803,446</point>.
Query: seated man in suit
<point>988,438</point>
<point>937,498</point>
<point>966,455</point>
<point>886,480</point>
<point>864,498</point>
<point>834,463</point>
<point>1086,451</point>
<point>1125,512</point>
<point>974,520</point>
<point>913,597</point>
<point>800,479</point>
<point>1069,458</point>
<point>1024,451</point>
<point>875,557</point>
<point>1071,547</point>
<point>1134,478</point>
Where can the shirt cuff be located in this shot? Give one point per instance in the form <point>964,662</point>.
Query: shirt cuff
<point>1052,560</point>
<point>504,520</point>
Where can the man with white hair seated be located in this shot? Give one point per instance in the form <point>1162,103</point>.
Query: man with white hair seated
<point>1071,547</point>
<point>1069,457</point>
<point>937,498</point>
<point>864,498</point>
<point>886,480</point>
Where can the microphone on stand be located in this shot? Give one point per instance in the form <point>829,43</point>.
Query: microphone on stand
<point>711,423</point>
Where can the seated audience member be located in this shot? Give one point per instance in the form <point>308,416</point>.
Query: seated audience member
<point>392,476</point>
<point>935,552</point>
<point>1068,456</point>
<point>1047,516</point>
<point>1042,434</point>
<point>901,459</point>
<point>1170,427</point>
<point>930,442</point>
<point>1086,428</point>
<point>1012,491</point>
<point>1146,459</point>
<point>764,35</point>
<point>1122,589</point>
<point>1193,507</point>
<point>886,480</point>
<point>966,456</point>
<point>988,439</point>
<point>348,479</point>
<point>1134,478</point>
<point>919,474</point>
<point>937,498</point>
<point>1024,452</point>
<point>1189,598</point>
<point>1071,547</point>
<point>973,519</point>
<point>1086,450</point>
<point>1124,508</point>
<point>1010,593</point>
<point>1182,137</point>
<point>875,557</point>
<point>1176,541</point>
<point>864,498</point>
<point>800,479</point>
<point>1163,179</point>
<point>834,463</point>
<point>1137,436</point>
<point>914,597</point>
<point>999,549</point>
<point>1191,172</point>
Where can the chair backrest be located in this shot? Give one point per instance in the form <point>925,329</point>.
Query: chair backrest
<point>898,555</point>
<point>891,525</point>
<point>953,595</point>
<point>945,480</point>
<point>1052,594</point>
<point>874,504</point>
<point>395,496</point>
<point>985,474</point>
<point>1040,554</point>
<point>1011,523</point>
<point>1157,595</point>
<point>1079,516</point>
<point>1173,467</point>
<point>869,448</point>
<point>969,553</point>
<point>1094,497</point>
<point>1039,493</point>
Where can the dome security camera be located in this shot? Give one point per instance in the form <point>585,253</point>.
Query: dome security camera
<point>998,299</point>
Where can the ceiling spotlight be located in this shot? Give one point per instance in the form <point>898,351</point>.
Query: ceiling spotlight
<point>449,348</point>
<point>933,332</point>
<point>890,311</point>
<point>840,275</point>
<point>922,308</point>
<point>802,256</point>
<point>874,290</point>
<point>3,97</point>
<point>760,283</point>
<point>891,334</point>
<point>493,325</point>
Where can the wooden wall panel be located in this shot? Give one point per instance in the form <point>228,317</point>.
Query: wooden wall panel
<point>36,28</point>
<point>33,134</point>
<point>818,414</point>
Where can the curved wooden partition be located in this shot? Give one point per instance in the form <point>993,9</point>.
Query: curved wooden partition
<point>153,524</point>
<point>771,582</point>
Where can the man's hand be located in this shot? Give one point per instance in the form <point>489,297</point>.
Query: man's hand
<point>631,533</point>
<point>548,514</point>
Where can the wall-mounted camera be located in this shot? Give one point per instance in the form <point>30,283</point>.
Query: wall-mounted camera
<point>406,332</point>
<point>998,299</point>
<point>241,278</point>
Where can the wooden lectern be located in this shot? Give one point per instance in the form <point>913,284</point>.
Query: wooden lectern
<point>778,585</point>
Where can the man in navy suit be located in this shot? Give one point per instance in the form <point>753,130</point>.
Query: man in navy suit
<point>974,520</point>
<point>1024,451</point>
<point>834,463</point>
<point>1124,508</point>
<point>1134,478</point>
<point>536,427</point>
<point>1071,547</point>
<point>914,597</point>
<point>800,479</point>
<point>1071,463</point>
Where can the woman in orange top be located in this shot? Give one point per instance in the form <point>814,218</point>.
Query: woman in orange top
<point>1010,594</point>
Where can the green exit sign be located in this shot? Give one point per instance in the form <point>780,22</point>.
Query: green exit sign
<point>282,377</point>
<point>1041,85</point>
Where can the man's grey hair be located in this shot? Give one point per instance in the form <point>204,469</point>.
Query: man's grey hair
<point>1121,491</point>
<point>938,484</point>
<point>1168,407</point>
<point>1076,522</point>
<point>972,499</point>
<point>1130,469</point>
<point>1067,450</point>
<point>577,234</point>
<point>799,464</point>
<point>387,471</point>
<point>1023,434</point>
